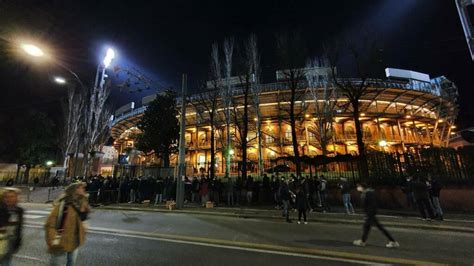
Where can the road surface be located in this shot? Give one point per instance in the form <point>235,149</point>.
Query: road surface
<point>148,238</point>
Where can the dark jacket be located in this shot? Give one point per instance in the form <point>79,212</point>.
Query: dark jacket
<point>5,221</point>
<point>345,188</point>
<point>435,188</point>
<point>420,189</point>
<point>284,191</point>
<point>301,202</point>
<point>369,202</point>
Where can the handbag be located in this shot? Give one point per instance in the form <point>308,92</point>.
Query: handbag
<point>57,237</point>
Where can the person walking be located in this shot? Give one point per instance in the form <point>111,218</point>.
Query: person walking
<point>301,204</point>
<point>65,231</point>
<point>194,190</point>
<point>435,191</point>
<point>421,192</point>
<point>370,208</point>
<point>346,195</point>
<point>204,191</point>
<point>11,225</point>
<point>285,199</point>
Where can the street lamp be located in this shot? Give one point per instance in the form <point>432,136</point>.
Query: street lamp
<point>109,56</point>
<point>383,143</point>
<point>49,163</point>
<point>32,49</point>
<point>60,80</point>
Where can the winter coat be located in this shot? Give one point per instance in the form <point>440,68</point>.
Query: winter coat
<point>5,215</point>
<point>301,201</point>
<point>74,232</point>
<point>420,190</point>
<point>435,188</point>
<point>284,191</point>
<point>345,188</point>
<point>369,202</point>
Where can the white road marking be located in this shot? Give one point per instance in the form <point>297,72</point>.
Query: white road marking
<point>30,216</point>
<point>38,212</point>
<point>29,258</point>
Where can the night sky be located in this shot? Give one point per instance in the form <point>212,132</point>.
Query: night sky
<point>166,38</point>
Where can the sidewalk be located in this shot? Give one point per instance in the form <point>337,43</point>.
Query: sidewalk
<point>453,223</point>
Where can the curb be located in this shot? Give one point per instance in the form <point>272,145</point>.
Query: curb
<point>433,227</point>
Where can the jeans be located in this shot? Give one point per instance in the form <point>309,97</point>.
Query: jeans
<point>372,220</point>
<point>230,198</point>
<point>158,198</point>
<point>346,199</point>
<point>424,206</point>
<point>324,202</point>
<point>249,197</point>
<point>437,206</point>
<point>286,206</point>
<point>71,258</point>
<point>133,196</point>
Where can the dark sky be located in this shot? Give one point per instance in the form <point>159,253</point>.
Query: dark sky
<point>166,38</point>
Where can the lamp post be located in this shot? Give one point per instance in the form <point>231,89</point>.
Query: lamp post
<point>182,149</point>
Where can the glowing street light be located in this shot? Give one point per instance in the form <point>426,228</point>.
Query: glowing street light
<point>109,56</point>
<point>49,163</point>
<point>60,80</point>
<point>231,152</point>
<point>32,49</point>
<point>383,143</point>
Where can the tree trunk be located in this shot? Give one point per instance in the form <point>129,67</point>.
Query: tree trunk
<point>360,141</point>
<point>294,139</point>
<point>245,129</point>
<point>213,148</point>
<point>17,177</point>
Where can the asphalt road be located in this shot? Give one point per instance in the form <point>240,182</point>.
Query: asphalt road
<point>146,238</point>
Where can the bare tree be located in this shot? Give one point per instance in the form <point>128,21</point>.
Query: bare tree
<point>72,110</point>
<point>226,95</point>
<point>325,101</point>
<point>207,102</point>
<point>364,56</point>
<point>254,57</point>
<point>292,52</point>
<point>96,116</point>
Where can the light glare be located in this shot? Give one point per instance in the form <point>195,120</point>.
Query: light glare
<point>32,50</point>
<point>59,80</point>
<point>109,57</point>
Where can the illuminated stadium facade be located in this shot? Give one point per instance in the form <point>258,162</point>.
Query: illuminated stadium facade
<point>397,116</point>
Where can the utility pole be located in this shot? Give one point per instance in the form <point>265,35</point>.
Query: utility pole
<point>180,174</point>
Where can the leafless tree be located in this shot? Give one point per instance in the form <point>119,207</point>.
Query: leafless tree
<point>226,95</point>
<point>292,52</point>
<point>96,117</point>
<point>324,96</point>
<point>73,123</point>
<point>364,56</point>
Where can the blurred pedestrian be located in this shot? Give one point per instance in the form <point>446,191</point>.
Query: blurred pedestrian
<point>301,204</point>
<point>407,189</point>
<point>370,208</point>
<point>65,231</point>
<point>285,197</point>
<point>11,224</point>
<point>323,193</point>
<point>346,195</point>
<point>435,191</point>
<point>421,192</point>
